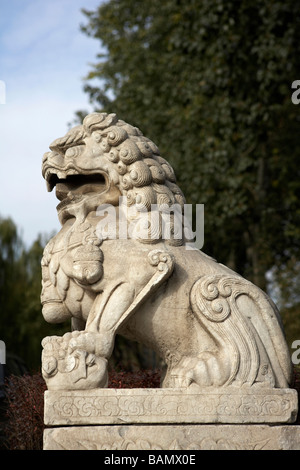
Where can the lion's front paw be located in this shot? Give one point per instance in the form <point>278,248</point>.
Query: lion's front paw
<point>93,343</point>
<point>82,340</point>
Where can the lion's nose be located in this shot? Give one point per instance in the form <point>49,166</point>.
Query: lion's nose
<point>45,156</point>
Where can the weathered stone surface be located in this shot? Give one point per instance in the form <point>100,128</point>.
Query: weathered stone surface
<point>119,406</point>
<point>173,437</point>
<point>143,279</point>
<point>220,336</point>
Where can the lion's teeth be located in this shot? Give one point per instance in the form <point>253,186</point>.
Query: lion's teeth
<point>49,187</point>
<point>61,175</point>
<point>72,172</point>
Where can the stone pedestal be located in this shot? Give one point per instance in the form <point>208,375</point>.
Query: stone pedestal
<point>171,419</point>
<point>174,437</point>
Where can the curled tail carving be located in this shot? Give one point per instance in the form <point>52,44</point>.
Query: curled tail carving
<point>246,327</point>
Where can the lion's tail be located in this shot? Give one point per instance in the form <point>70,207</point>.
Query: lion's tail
<point>246,327</point>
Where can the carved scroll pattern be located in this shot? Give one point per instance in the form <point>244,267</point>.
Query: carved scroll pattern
<point>207,443</point>
<point>214,299</point>
<point>209,407</point>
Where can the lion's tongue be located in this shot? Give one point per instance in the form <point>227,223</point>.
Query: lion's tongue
<point>62,189</point>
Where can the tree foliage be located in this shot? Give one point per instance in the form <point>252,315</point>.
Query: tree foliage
<point>22,326</point>
<point>209,82</point>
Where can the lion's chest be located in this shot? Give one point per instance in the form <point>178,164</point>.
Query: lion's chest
<point>72,264</point>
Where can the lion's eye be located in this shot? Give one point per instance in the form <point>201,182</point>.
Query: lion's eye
<point>70,152</point>
<point>73,152</point>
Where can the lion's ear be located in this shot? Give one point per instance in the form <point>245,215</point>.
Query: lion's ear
<point>95,121</point>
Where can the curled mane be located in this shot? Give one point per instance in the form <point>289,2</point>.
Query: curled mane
<point>144,177</point>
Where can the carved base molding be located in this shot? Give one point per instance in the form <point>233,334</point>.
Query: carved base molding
<point>229,405</point>
<point>184,437</point>
<point>171,419</point>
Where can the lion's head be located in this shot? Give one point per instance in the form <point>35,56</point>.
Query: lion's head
<point>106,153</point>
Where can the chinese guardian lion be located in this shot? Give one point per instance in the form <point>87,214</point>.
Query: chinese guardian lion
<point>211,327</point>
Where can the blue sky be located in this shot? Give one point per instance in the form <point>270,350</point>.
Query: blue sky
<point>43,59</point>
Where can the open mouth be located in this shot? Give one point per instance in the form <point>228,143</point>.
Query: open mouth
<point>79,185</point>
<point>68,186</point>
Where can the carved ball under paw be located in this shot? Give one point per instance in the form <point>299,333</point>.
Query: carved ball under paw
<point>76,370</point>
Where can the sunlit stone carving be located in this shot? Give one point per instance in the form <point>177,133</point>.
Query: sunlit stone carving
<point>124,266</point>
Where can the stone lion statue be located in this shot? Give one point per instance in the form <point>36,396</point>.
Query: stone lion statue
<point>121,265</point>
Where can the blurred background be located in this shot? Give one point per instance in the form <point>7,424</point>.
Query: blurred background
<point>209,81</point>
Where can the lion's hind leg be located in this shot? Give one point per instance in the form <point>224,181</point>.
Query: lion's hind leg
<point>244,325</point>
<point>204,370</point>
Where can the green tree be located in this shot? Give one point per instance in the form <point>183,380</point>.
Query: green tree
<point>209,81</point>
<point>12,279</point>
<point>22,326</point>
<point>31,327</point>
